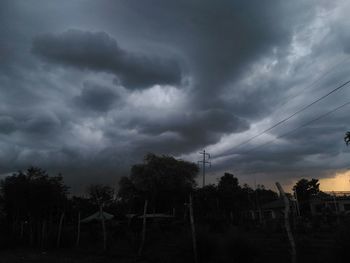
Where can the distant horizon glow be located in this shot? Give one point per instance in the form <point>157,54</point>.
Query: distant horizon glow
<point>339,182</point>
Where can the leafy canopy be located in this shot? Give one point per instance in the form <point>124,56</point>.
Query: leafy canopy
<point>32,193</point>
<point>306,189</point>
<point>347,138</point>
<point>161,179</point>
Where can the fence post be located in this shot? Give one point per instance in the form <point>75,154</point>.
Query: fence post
<point>143,228</point>
<point>78,234</point>
<point>59,230</point>
<point>286,222</point>
<point>103,228</point>
<point>194,240</point>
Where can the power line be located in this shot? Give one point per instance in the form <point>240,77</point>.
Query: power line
<point>324,74</point>
<point>290,116</point>
<point>300,127</point>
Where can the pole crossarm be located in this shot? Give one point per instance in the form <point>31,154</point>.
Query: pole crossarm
<point>204,162</point>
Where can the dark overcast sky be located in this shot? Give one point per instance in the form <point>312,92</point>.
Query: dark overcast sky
<point>88,87</point>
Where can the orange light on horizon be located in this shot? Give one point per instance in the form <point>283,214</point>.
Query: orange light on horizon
<point>340,182</point>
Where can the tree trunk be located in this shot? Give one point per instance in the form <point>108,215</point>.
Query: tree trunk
<point>143,228</point>
<point>43,234</point>
<point>13,228</point>
<point>78,233</point>
<point>194,240</point>
<point>103,229</point>
<point>22,229</point>
<point>59,230</point>
<point>286,222</point>
<point>38,233</point>
<point>31,231</point>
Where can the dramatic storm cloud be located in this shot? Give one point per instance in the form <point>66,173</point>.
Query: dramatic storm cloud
<point>99,52</point>
<point>89,87</point>
<point>95,97</point>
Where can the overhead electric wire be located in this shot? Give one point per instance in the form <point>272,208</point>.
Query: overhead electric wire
<point>299,127</point>
<point>290,116</point>
<point>324,74</point>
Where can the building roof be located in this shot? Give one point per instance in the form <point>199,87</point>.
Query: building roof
<point>97,217</point>
<point>156,216</point>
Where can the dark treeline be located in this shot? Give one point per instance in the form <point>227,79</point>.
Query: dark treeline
<point>167,183</point>
<point>33,203</point>
<point>37,211</point>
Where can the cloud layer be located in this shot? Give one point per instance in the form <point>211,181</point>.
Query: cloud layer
<point>99,52</point>
<point>89,93</point>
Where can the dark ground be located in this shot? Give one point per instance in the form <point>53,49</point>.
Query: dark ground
<point>174,245</point>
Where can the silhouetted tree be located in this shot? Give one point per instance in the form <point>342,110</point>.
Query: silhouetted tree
<point>347,138</point>
<point>229,194</point>
<point>163,180</point>
<point>305,190</point>
<point>248,198</point>
<point>83,205</point>
<point>265,195</point>
<point>101,195</point>
<point>228,183</point>
<point>33,197</point>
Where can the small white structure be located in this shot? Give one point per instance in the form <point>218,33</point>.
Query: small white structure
<point>97,217</point>
<point>156,216</point>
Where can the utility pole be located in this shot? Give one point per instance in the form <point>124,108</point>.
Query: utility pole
<point>204,163</point>
<point>194,240</point>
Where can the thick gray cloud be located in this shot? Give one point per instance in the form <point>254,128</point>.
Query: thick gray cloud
<point>7,124</point>
<point>89,93</point>
<point>184,132</point>
<point>221,39</point>
<point>96,97</point>
<point>98,51</point>
<point>41,123</point>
